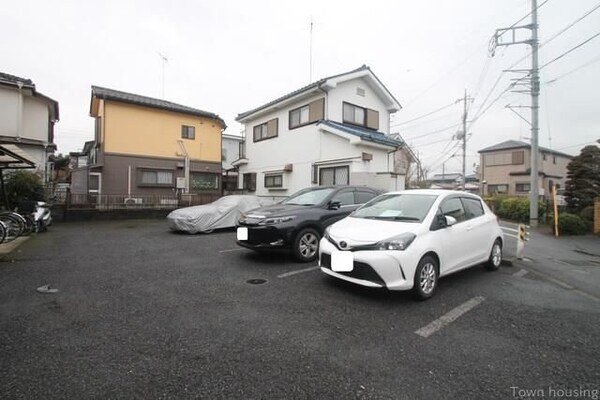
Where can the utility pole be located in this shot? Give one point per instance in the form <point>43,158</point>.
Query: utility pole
<point>464,143</point>
<point>462,135</point>
<point>534,91</point>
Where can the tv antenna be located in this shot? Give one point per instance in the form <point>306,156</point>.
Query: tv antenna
<point>164,61</point>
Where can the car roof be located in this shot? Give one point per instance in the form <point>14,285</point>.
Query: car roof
<point>436,192</point>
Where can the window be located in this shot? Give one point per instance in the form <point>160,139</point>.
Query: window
<point>473,208</point>
<point>334,176</point>
<point>204,181</point>
<point>497,189</point>
<point>523,187</point>
<point>354,114</point>
<point>299,117</point>
<point>249,181</point>
<point>544,156</point>
<point>553,159</point>
<point>267,130</point>
<point>344,197</point>
<point>518,157</point>
<point>362,196</point>
<point>498,159</point>
<point>242,150</point>
<point>273,181</point>
<point>453,208</point>
<point>188,132</point>
<point>156,177</point>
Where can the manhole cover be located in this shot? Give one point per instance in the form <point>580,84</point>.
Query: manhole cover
<point>256,281</point>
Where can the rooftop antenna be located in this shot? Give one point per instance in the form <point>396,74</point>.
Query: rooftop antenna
<point>311,49</point>
<point>164,61</point>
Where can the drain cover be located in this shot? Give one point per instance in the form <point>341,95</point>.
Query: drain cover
<point>256,281</point>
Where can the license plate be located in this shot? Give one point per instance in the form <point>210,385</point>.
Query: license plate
<point>242,233</point>
<point>342,261</point>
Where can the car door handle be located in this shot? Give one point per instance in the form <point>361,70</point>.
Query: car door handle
<point>469,227</point>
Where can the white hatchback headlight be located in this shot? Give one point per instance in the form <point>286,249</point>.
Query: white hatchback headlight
<point>400,242</point>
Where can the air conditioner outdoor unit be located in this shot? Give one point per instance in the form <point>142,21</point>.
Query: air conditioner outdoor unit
<point>133,200</point>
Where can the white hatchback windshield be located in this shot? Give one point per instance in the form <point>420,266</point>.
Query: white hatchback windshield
<point>397,207</point>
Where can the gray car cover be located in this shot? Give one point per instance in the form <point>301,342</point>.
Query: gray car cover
<point>222,213</point>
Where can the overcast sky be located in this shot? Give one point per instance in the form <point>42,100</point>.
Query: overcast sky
<point>228,57</point>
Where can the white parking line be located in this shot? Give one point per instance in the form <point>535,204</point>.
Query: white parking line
<point>521,273</point>
<point>450,316</point>
<point>298,271</point>
<point>230,250</point>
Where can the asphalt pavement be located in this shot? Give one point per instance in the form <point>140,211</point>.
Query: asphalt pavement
<point>141,312</point>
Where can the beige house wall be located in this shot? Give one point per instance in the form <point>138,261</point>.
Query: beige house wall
<point>554,168</point>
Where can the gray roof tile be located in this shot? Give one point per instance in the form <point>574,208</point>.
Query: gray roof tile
<point>117,95</point>
<point>364,133</point>
<point>516,144</point>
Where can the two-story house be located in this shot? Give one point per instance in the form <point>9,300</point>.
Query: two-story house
<point>505,168</point>
<point>147,146</point>
<point>332,132</point>
<point>27,119</point>
<point>231,148</point>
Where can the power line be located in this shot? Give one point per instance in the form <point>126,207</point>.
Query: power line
<point>528,14</point>
<point>424,115</point>
<point>566,28</point>
<point>571,50</point>
<point>595,60</point>
<point>434,132</point>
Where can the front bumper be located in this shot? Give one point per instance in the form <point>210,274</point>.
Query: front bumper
<point>267,237</point>
<point>371,268</point>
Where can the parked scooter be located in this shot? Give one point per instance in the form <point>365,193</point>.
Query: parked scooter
<point>42,216</point>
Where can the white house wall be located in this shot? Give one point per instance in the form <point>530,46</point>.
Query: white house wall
<point>9,103</point>
<point>346,92</point>
<point>35,119</point>
<point>302,147</point>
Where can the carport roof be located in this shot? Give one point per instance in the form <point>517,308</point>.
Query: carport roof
<point>13,157</point>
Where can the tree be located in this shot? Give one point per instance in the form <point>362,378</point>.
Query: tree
<point>583,179</point>
<point>21,186</point>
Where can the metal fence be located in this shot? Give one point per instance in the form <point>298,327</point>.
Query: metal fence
<point>123,201</point>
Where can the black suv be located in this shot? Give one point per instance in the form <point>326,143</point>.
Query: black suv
<point>298,222</point>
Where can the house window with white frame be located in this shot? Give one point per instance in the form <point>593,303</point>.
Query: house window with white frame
<point>334,176</point>
<point>299,117</point>
<point>274,181</point>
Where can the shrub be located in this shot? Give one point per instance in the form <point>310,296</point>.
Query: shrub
<point>572,224</point>
<point>517,208</point>
<point>587,213</point>
<point>22,186</point>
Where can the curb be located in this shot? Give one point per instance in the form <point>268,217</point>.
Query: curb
<point>7,248</point>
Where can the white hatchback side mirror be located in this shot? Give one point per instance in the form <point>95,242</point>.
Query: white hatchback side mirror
<point>450,220</point>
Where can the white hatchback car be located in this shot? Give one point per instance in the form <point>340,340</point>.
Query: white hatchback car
<point>408,239</point>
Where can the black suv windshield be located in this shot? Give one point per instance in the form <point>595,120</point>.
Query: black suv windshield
<point>309,197</point>
<point>397,207</point>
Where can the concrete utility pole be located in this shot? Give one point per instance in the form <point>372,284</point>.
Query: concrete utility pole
<point>534,91</point>
<point>464,143</point>
<point>462,135</point>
